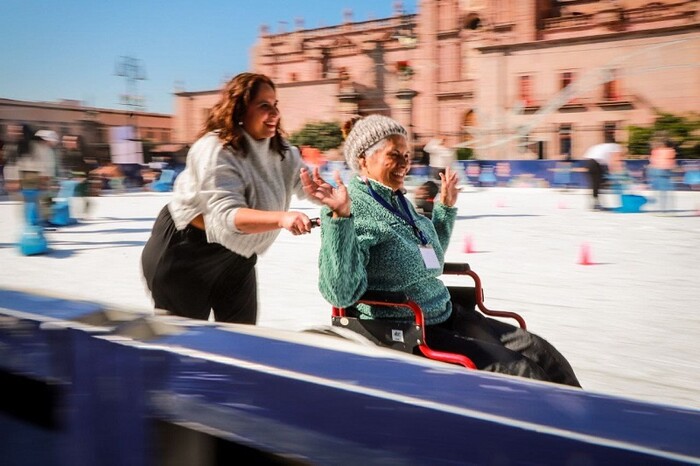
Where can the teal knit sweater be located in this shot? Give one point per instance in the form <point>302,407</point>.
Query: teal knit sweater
<point>373,249</point>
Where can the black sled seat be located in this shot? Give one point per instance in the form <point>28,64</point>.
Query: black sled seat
<point>409,337</point>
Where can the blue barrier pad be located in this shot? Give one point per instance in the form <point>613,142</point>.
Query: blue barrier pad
<point>321,399</point>
<point>46,306</point>
<point>280,379</point>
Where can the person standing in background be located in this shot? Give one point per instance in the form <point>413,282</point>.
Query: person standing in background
<point>662,162</point>
<point>37,169</point>
<point>441,157</point>
<point>13,148</point>
<point>45,154</point>
<point>598,161</point>
<point>2,168</point>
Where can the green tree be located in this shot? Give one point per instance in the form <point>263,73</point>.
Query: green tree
<point>639,140</point>
<point>683,131</point>
<point>324,135</point>
<point>465,153</point>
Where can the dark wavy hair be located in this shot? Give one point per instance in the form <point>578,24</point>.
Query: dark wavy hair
<point>231,108</point>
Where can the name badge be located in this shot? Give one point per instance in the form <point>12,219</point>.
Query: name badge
<point>429,257</point>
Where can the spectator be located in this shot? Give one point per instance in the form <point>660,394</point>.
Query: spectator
<point>425,198</point>
<point>440,157</point>
<point>2,168</point>
<point>37,169</point>
<point>662,162</point>
<point>598,160</point>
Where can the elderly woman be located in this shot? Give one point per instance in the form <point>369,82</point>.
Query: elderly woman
<point>373,238</point>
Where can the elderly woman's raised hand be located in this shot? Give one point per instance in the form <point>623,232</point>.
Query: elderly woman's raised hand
<point>449,190</point>
<point>336,198</point>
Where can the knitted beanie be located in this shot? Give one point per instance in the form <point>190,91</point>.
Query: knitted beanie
<point>367,132</point>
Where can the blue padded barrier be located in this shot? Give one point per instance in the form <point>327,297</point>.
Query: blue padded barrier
<point>143,390</point>
<point>35,371</point>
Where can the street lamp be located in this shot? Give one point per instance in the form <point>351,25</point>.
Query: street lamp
<point>132,70</point>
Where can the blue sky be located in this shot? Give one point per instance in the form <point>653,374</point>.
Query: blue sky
<point>69,49</point>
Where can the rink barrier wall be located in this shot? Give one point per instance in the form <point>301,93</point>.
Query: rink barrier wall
<point>566,174</point>
<point>539,173</point>
<point>110,387</point>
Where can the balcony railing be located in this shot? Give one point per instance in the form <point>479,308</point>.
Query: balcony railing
<point>648,13</point>
<point>465,86</point>
<point>568,22</point>
<point>660,12</point>
<point>615,101</point>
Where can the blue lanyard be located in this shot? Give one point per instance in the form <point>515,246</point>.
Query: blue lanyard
<point>406,217</point>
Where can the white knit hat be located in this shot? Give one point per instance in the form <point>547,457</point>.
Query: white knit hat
<point>367,132</point>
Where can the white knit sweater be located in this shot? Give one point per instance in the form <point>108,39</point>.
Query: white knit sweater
<point>217,182</point>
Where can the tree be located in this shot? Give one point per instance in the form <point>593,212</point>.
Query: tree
<point>682,131</point>
<point>465,153</point>
<point>639,142</point>
<point>321,135</point>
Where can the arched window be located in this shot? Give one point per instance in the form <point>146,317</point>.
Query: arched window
<point>468,122</point>
<point>472,22</point>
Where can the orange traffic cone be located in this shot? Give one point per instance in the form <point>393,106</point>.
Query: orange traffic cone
<point>468,245</point>
<point>585,255</point>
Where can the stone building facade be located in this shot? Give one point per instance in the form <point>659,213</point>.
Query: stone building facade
<point>574,73</point>
<point>512,79</point>
<point>71,118</point>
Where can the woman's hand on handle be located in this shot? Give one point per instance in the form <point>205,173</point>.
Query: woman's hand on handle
<point>449,190</point>
<point>296,223</point>
<point>336,198</point>
<point>260,221</point>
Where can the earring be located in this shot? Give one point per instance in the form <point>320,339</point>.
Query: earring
<point>240,123</point>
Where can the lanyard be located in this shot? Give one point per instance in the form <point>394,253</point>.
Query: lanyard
<point>406,217</point>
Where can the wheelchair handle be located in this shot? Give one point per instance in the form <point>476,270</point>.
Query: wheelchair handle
<point>456,267</point>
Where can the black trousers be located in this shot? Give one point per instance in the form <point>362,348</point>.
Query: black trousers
<point>496,346</point>
<point>596,173</point>
<point>190,277</point>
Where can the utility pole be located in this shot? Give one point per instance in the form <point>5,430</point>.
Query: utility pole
<point>132,70</point>
<point>130,153</point>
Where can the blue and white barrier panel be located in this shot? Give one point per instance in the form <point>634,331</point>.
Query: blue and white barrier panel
<point>106,387</point>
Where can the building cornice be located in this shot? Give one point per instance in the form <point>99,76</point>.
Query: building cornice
<point>315,82</point>
<point>353,27</point>
<point>626,35</point>
<point>74,107</point>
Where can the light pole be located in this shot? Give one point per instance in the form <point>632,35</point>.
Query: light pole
<point>130,156</point>
<point>132,70</point>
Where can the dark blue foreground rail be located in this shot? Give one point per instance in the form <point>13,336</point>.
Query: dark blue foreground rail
<point>84,385</point>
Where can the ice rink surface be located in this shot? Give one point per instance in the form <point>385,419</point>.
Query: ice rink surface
<point>629,323</point>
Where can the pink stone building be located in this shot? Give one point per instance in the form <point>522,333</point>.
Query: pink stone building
<point>574,73</point>
<point>512,79</point>
<point>70,118</point>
